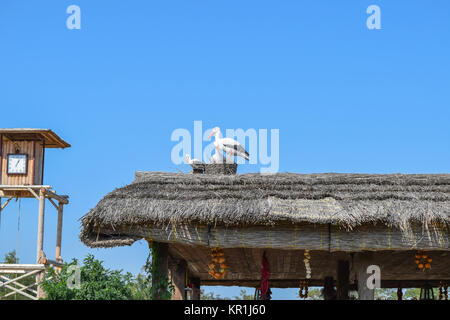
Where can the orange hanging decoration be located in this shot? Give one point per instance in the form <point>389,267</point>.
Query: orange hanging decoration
<point>217,258</point>
<point>423,262</point>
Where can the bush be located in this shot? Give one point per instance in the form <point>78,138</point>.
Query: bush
<point>96,282</point>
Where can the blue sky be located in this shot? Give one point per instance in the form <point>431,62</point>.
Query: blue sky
<point>345,98</point>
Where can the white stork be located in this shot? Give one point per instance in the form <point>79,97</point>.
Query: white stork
<point>217,157</point>
<point>192,161</point>
<point>230,146</point>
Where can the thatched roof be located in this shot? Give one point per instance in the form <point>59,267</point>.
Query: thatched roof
<point>347,200</point>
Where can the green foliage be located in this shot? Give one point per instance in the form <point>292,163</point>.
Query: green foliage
<point>141,286</point>
<point>408,294</point>
<point>11,258</point>
<point>210,296</point>
<point>385,294</point>
<point>97,283</point>
<point>412,294</point>
<point>244,296</point>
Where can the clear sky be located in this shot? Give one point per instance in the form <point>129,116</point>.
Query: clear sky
<point>345,98</point>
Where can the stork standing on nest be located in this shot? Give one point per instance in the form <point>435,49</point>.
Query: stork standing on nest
<point>217,157</point>
<point>192,161</point>
<point>230,146</point>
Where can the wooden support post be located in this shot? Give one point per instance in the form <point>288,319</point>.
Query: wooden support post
<point>343,280</point>
<point>40,240</point>
<point>195,288</point>
<point>59,232</point>
<point>177,274</point>
<point>160,264</point>
<point>362,261</point>
<point>40,236</point>
<point>329,293</point>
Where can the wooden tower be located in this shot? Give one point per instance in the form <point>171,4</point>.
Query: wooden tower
<point>22,155</point>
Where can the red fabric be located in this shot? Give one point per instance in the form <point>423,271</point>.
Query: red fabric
<point>265,274</point>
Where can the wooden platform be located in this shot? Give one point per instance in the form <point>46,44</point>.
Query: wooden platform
<point>30,191</point>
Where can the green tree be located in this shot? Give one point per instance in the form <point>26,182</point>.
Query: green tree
<point>244,296</point>
<point>141,286</point>
<point>385,294</point>
<point>96,282</point>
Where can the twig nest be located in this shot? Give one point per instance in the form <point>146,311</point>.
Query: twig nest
<point>221,168</point>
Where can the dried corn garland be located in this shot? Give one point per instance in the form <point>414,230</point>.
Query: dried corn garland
<point>217,258</point>
<point>303,292</point>
<point>307,265</point>
<point>423,262</point>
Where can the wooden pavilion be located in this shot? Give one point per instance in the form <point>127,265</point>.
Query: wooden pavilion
<point>347,222</point>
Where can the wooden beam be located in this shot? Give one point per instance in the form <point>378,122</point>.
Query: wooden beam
<point>21,285</point>
<point>6,266</point>
<point>59,198</point>
<point>53,203</point>
<point>343,280</point>
<point>5,204</point>
<point>48,262</point>
<point>33,193</point>
<point>20,291</point>
<point>40,235</point>
<point>20,277</point>
<point>293,283</point>
<point>59,232</point>
<point>22,187</point>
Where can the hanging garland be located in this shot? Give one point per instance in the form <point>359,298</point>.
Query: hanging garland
<point>423,262</point>
<point>443,291</point>
<point>307,265</point>
<point>217,258</point>
<point>303,292</point>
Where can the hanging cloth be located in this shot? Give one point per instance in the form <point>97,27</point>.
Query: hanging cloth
<point>265,274</point>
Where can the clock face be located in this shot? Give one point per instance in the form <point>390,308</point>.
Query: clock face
<point>17,163</point>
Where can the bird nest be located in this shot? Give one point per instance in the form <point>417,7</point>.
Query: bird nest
<point>215,168</point>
